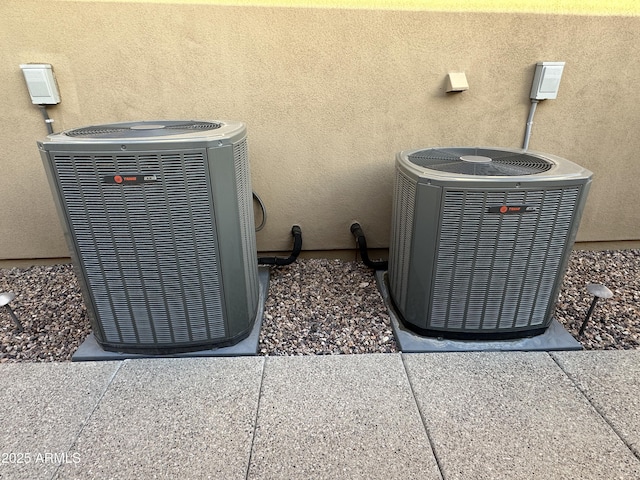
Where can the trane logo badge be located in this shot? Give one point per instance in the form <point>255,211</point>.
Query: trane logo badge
<point>129,179</point>
<point>512,209</point>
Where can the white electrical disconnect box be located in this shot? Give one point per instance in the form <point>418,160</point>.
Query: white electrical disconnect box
<point>41,83</point>
<point>546,80</point>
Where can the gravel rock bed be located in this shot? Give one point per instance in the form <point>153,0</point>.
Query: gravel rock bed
<point>322,307</point>
<point>316,307</point>
<point>50,307</point>
<point>615,324</point>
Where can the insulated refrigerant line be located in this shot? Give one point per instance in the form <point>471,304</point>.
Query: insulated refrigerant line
<point>357,232</point>
<point>296,232</point>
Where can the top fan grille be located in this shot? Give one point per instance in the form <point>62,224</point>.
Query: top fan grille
<point>142,129</point>
<point>480,161</point>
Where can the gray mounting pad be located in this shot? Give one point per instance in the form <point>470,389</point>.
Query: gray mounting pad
<point>90,350</point>
<point>554,338</point>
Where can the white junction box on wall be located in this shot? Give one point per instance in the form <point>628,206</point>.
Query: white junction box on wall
<point>41,83</point>
<point>546,80</point>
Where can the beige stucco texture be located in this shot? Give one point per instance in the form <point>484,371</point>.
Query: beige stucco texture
<point>328,95</point>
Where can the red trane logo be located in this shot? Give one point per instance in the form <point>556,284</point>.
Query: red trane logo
<point>117,179</point>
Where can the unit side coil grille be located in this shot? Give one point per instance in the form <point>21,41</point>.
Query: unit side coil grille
<point>498,272</point>
<point>247,235</point>
<point>148,251</point>
<point>400,248</point>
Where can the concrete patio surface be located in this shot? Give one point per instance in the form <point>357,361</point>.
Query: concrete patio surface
<point>473,415</point>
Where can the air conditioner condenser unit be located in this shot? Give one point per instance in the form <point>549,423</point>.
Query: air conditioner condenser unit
<point>159,221</point>
<point>481,238</point>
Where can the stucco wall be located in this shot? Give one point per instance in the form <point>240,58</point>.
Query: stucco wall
<point>329,96</point>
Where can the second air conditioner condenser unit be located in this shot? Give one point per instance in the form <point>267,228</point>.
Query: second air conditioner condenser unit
<point>481,238</point>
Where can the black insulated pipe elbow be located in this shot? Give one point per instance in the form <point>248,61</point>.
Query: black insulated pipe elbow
<point>357,232</point>
<point>296,231</point>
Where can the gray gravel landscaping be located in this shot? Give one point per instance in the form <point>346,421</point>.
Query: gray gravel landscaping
<point>316,307</point>
<point>615,324</point>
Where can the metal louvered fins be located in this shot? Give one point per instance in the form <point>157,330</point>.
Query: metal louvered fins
<point>497,272</point>
<point>247,223</point>
<point>149,252</point>
<point>401,236</point>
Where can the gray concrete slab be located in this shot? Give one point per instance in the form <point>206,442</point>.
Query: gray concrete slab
<point>350,416</point>
<point>611,381</point>
<point>506,415</point>
<point>188,418</point>
<point>43,407</point>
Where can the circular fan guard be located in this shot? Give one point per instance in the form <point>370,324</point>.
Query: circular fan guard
<point>480,161</point>
<point>142,129</point>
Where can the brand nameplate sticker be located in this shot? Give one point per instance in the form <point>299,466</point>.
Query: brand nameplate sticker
<point>512,209</point>
<point>129,179</point>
